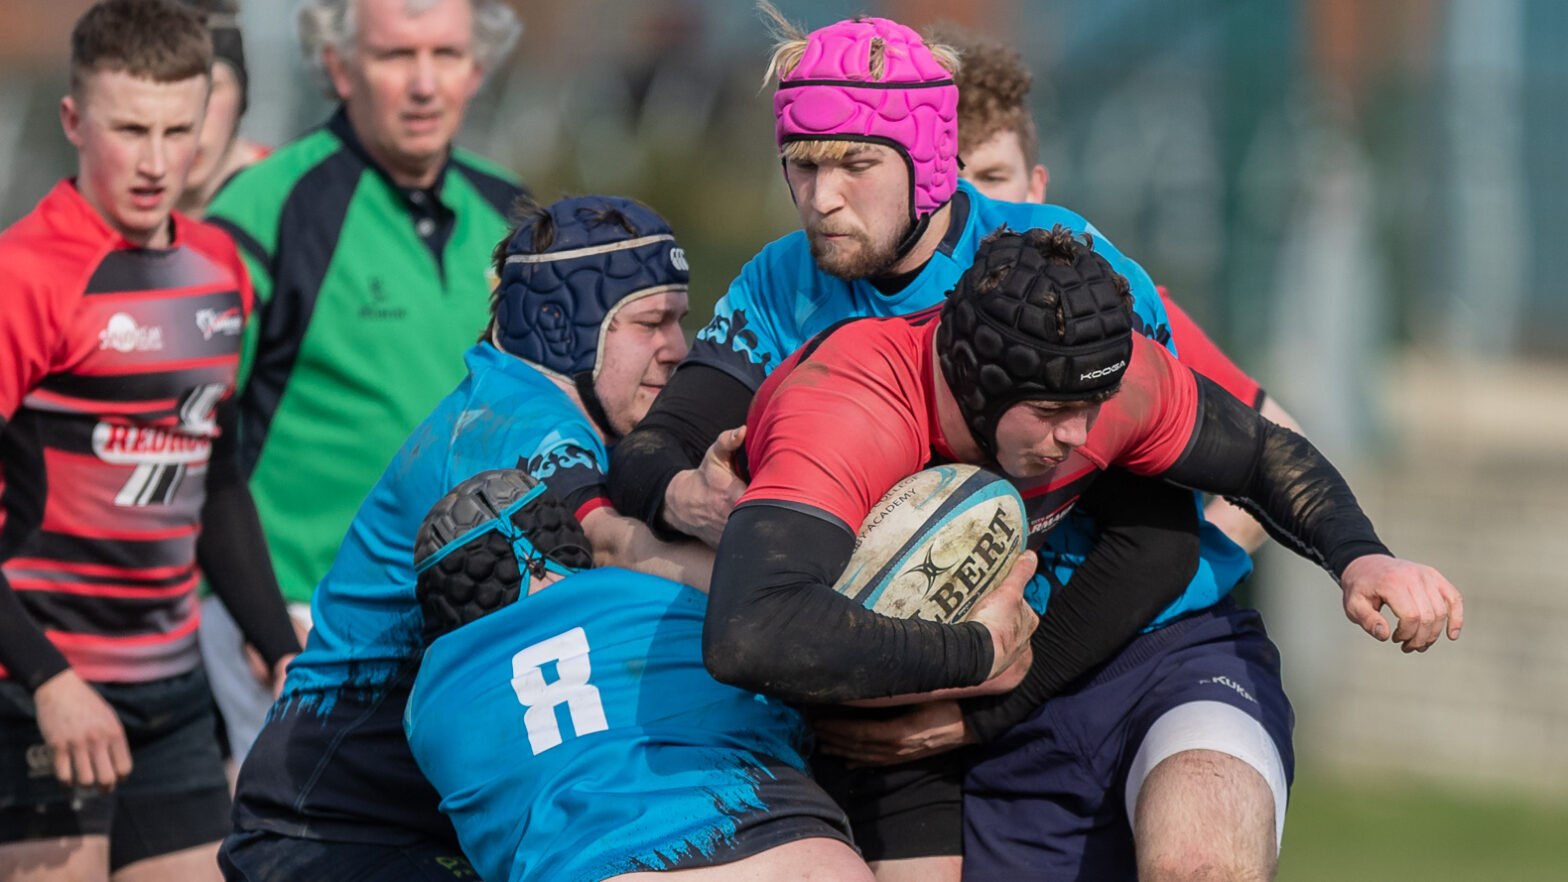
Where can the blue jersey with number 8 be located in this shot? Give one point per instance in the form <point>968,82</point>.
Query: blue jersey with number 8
<point>576,735</point>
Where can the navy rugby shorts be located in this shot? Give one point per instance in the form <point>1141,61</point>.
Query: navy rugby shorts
<point>1046,800</point>
<point>176,796</point>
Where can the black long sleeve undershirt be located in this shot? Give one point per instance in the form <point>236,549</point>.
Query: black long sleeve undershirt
<point>1278,477</point>
<point>29,658</point>
<point>699,403</point>
<point>232,550</point>
<point>775,625</point>
<point>1143,558</point>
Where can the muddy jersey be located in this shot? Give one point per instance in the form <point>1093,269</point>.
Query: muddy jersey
<point>781,300</point>
<point>366,624</point>
<point>113,358</point>
<point>576,735</point>
<point>880,413</point>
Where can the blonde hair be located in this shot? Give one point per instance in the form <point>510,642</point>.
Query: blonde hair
<point>790,44</point>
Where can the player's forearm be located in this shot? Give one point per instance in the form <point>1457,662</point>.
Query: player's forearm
<point>620,541</point>
<point>232,551</point>
<point>775,625</point>
<point>699,403</point>
<point>29,658</point>
<point>1144,556</point>
<point>1237,525</point>
<point>1278,476</point>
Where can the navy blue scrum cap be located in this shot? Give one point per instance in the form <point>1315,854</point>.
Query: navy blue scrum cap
<point>554,303</point>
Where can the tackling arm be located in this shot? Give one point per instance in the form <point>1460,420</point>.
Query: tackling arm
<point>658,472</point>
<point>775,625</point>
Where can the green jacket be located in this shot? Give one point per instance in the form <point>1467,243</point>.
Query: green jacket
<point>367,296</point>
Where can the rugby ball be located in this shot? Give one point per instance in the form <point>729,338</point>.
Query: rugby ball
<point>936,544</point>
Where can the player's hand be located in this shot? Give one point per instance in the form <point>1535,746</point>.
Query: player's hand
<point>1422,601</point>
<point>82,732</point>
<point>925,730</point>
<point>280,672</point>
<point>1011,621</point>
<point>272,678</point>
<point>698,501</point>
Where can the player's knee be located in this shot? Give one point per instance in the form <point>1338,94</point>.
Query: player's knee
<point>1204,863</point>
<point>1205,815</point>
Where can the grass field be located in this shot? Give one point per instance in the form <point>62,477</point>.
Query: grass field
<point>1343,831</point>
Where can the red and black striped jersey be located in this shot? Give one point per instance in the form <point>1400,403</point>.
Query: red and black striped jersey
<point>113,359</point>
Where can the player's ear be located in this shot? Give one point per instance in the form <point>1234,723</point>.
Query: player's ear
<point>337,72</point>
<point>1038,179</point>
<point>71,120</point>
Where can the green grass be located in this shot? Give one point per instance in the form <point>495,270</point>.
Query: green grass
<point>1384,830</point>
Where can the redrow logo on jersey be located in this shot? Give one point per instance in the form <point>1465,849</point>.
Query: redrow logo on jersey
<point>1093,375</point>
<point>148,445</point>
<point>123,334</point>
<point>219,321</point>
<point>1041,526</point>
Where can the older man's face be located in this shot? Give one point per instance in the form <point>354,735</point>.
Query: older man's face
<point>407,81</point>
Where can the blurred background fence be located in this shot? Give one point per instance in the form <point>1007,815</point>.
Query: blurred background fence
<point>1362,200</point>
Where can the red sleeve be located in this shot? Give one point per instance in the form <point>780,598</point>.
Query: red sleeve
<point>31,325</point>
<point>1147,426</point>
<point>836,432</point>
<point>1198,352</point>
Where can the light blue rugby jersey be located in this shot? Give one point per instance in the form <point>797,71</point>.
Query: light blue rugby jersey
<point>576,735</point>
<point>505,414</point>
<point>780,300</point>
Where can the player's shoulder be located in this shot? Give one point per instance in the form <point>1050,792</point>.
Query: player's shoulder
<point>54,246</point>
<point>208,238</point>
<point>780,271</point>
<point>987,215</point>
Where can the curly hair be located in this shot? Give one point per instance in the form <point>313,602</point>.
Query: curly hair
<point>993,92</point>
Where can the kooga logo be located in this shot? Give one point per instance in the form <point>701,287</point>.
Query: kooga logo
<point>1093,375</point>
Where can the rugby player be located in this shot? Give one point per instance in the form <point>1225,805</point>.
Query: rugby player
<point>221,150</point>
<point>888,227</point>
<point>1000,143</point>
<point>1032,366</point>
<point>574,734</point>
<point>119,342</point>
<point>786,295</point>
<point>585,329</point>
<point>1174,755</point>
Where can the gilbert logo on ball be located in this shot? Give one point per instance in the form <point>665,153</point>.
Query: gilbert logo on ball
<point>936,544</point>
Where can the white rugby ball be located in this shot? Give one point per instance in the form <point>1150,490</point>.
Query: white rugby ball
<point>937,543</point>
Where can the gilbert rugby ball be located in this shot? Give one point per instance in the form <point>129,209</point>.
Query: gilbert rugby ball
<point>937,543</point>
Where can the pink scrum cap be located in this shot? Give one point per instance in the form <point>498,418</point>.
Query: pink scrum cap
<point>913,108</point>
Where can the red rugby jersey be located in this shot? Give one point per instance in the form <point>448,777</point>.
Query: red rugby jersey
<point>1198,352</point>
<point>838,423</point>
<point>113,358</point>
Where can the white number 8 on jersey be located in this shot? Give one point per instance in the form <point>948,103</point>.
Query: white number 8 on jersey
<point>569,651</point>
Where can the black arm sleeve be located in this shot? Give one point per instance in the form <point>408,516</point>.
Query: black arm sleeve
<point>1278,477</point>
<point>1143,558</point>
<point>232,550</point>
<point>28,656</point>
<point>775,624</point>
<point>698,404</point>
